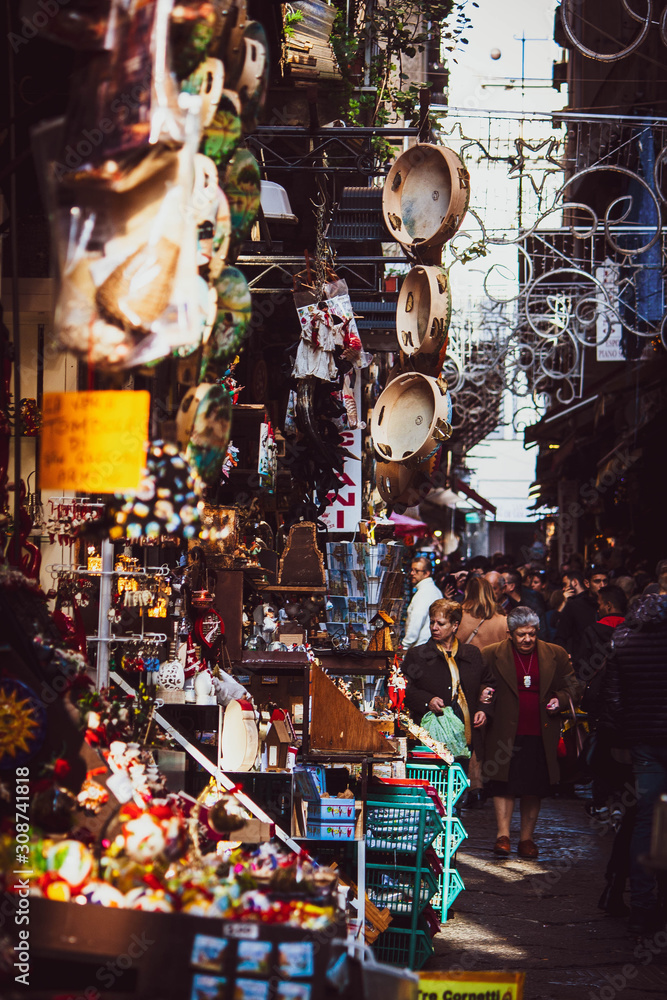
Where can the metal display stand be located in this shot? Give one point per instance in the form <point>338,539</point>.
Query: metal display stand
<point>104,635</point>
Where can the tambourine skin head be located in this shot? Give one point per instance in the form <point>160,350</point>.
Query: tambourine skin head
<point>425,196</point>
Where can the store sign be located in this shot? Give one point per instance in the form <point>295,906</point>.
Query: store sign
<point>471,985</point>
<point>93,442</point>
<point>608,349</point>
<point>344,511</point>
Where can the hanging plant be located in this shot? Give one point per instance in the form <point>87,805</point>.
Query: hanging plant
<point>397,31</point>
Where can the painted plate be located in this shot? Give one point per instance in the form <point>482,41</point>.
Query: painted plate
<point>232,317</point>
<point>243,189</point>
<point>22,723</point>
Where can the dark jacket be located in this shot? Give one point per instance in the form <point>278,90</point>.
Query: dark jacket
<point>591,668</point>
<point>428,676</point>
<point>529,599</point>
<point>556,680</point>
<point>579,612</point>
<point>635,684</point>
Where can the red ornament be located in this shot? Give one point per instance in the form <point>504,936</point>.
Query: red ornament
<point>61,768</point>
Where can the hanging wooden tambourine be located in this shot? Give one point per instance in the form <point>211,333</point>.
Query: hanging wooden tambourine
<point>423,311</point>
<point>394,480</point>
<point>398,482</point>
<point>411,418</point>
<point>425,196</point>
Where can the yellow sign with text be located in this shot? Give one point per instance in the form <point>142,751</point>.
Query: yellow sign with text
<point>471,985</point>
<point>93,442</point>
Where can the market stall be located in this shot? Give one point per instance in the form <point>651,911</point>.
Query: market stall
<point>202,600</point>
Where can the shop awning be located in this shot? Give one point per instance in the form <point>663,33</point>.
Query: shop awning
<point>473,495</point>
<point>551,425</point>
<point>408,525</point>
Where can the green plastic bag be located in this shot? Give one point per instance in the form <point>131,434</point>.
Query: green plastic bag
<point>448,729</point>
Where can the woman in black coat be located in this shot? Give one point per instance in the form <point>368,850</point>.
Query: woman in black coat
<point>429,678</point>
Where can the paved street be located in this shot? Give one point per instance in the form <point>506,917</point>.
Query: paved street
<point>542,918</point>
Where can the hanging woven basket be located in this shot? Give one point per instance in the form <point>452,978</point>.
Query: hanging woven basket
<point>425,196</point>
<point>411,418</point>
<point>424,311</point>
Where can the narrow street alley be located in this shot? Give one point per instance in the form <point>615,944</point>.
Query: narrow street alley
<point>541,917</point>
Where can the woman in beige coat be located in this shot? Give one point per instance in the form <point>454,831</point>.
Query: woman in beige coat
<point>482,623</point>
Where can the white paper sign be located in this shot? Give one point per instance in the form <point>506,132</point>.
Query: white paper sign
<point>610,349</point>
<point>344,513</point>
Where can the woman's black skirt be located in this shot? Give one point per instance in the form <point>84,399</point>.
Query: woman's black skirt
<point>528,773</point>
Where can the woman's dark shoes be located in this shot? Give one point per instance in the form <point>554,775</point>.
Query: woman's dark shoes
<point>502,847</point>
<point>527,849</point>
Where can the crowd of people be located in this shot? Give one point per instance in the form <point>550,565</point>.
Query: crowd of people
<point>539,680</point>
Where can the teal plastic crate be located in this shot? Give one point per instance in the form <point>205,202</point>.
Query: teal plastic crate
<point>449,780</point>
<point>397,825</point>
<point>454,887</point>
<point>393,887</point>
<point>457,836</point>
<point>398,946</point>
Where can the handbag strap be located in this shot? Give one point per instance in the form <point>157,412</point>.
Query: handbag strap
<point>474,632</point>
<point>576,725</point>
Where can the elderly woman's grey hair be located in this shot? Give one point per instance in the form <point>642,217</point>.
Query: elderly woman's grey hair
<point>521,617</point>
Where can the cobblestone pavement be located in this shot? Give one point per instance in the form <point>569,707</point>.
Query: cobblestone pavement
<point>541,917</point>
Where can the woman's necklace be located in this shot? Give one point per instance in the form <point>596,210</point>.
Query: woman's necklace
<point>526,673</point>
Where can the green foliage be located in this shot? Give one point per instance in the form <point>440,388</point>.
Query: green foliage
<point>396,30</point>
<point>290,20</point>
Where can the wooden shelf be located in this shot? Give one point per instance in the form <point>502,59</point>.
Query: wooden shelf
<point>284,589</point>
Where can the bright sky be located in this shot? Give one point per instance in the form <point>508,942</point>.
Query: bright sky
<point>499,25</point>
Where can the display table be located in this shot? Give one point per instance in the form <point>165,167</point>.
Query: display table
<point>137,955</point>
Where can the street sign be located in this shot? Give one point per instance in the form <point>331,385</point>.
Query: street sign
<point>471,985</point>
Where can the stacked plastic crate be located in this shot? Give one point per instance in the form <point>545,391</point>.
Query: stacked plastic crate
<point>403,820</point>
<point>450,782</point>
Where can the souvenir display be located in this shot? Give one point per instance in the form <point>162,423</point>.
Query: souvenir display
<point>202,692</point>
<point>23,719</point>
<point>242,188</point>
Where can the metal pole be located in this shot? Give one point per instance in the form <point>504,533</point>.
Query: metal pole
<point>40,398</point>
<point>103,624</point>
<point>16,335</point>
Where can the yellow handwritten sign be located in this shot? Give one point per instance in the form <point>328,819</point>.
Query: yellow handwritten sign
<point>471,985</point>
<point>93,442</point>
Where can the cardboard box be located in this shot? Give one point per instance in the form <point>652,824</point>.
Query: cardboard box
<point>324,830</point>
<point>331,810</point>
